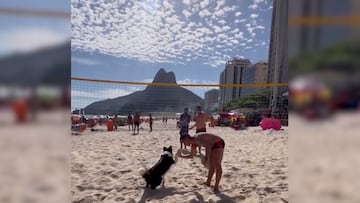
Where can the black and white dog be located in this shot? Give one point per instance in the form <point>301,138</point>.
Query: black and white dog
<point>154,175</point>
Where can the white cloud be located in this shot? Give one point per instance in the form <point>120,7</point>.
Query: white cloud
<point>157,32</point>
<point>187,2</point>
<point>204,13</point>
<point>222,22</point>
<point>84,61</point>
<point>254,15</point>
<point>204,3</point>
<point>187,13</point>
<point>253,6</point>
<point>24,40</point>
<point>238,13</point>
<point>249,40</point>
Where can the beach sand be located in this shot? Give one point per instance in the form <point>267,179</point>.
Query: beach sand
<point>105,166</point>
<point>34,157</point>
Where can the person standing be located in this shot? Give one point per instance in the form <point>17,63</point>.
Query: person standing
<point>150,122</point>
<point>109,125</point>
<point>136,122</point>
<point>214,145</point>
<point>200,122</point>
<point>130,122</point>
<point>184,122</point>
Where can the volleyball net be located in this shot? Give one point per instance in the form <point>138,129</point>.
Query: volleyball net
<point>104,97</point>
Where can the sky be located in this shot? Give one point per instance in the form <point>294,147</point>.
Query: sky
<point>127,40</point>
<point>28,33</point>
<point>131,40</point>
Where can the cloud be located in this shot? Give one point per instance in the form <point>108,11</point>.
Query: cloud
<point>84,61</point>
<point>204,3</point>
<point>187,2</point>
<point>253,6</point>
<point>254,15</point>
<point>103,94</point>
<point>157,31</point>
<point>238,13</point>
<point>187,13</point>
<point>256,3</point>
<point>198,90</point>
<point>24,40</point>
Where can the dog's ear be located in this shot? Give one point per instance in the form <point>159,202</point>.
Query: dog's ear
<point>164,148</point>
<point>170,147</point>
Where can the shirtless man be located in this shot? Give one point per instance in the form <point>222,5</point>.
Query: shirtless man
<point>200,122</point>
<point>130,122</point>
<point>136,122</point>
<point>214,153</point>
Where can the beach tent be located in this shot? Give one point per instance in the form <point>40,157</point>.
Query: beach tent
<point>270,123</point>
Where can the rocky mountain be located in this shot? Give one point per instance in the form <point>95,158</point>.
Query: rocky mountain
<point>48,66</point>
<point>150,100</point>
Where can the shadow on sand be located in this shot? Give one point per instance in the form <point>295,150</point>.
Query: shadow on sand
<point>156,194</point>
<point>223,198</point>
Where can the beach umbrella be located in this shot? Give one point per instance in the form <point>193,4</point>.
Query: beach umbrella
<point>270,123</point>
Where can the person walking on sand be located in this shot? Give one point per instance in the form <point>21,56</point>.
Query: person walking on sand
<point>130,122</point>
<point>150,122</point>
<point>185,119</point>
<point>136,122</point>
<point>200,122</point>
<point>214,153</point>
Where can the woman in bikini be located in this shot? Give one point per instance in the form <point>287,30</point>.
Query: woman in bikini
<point>214,153</point>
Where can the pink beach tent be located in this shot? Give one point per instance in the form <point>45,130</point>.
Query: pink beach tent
<point>270,123</point>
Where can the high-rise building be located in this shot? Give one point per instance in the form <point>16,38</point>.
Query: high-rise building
<point>211,99</point>
<point>255,74</point>
<point>232,75</point>
<point>278,64</point>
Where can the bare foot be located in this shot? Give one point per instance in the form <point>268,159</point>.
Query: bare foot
<point>207,184</point>
<point>216,189</point>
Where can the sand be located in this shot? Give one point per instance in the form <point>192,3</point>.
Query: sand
<point>324,159</point>
<point>105,166</point>
<point>34,157</point>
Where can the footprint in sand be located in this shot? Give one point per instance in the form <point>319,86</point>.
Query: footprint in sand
<point>277,172</point>
<point>114,176</point>
<point>227,175</point>
<point>130,201</point>
<point>113,164</point>
<point>125,171</point>
<point>81,188</point>
<point>119,199</point>
<point>269,190</point>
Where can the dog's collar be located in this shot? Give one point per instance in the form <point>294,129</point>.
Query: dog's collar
<point>167,153</point>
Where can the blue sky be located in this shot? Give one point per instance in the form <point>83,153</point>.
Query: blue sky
<point>29,33</point>
<point>132,40</point>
